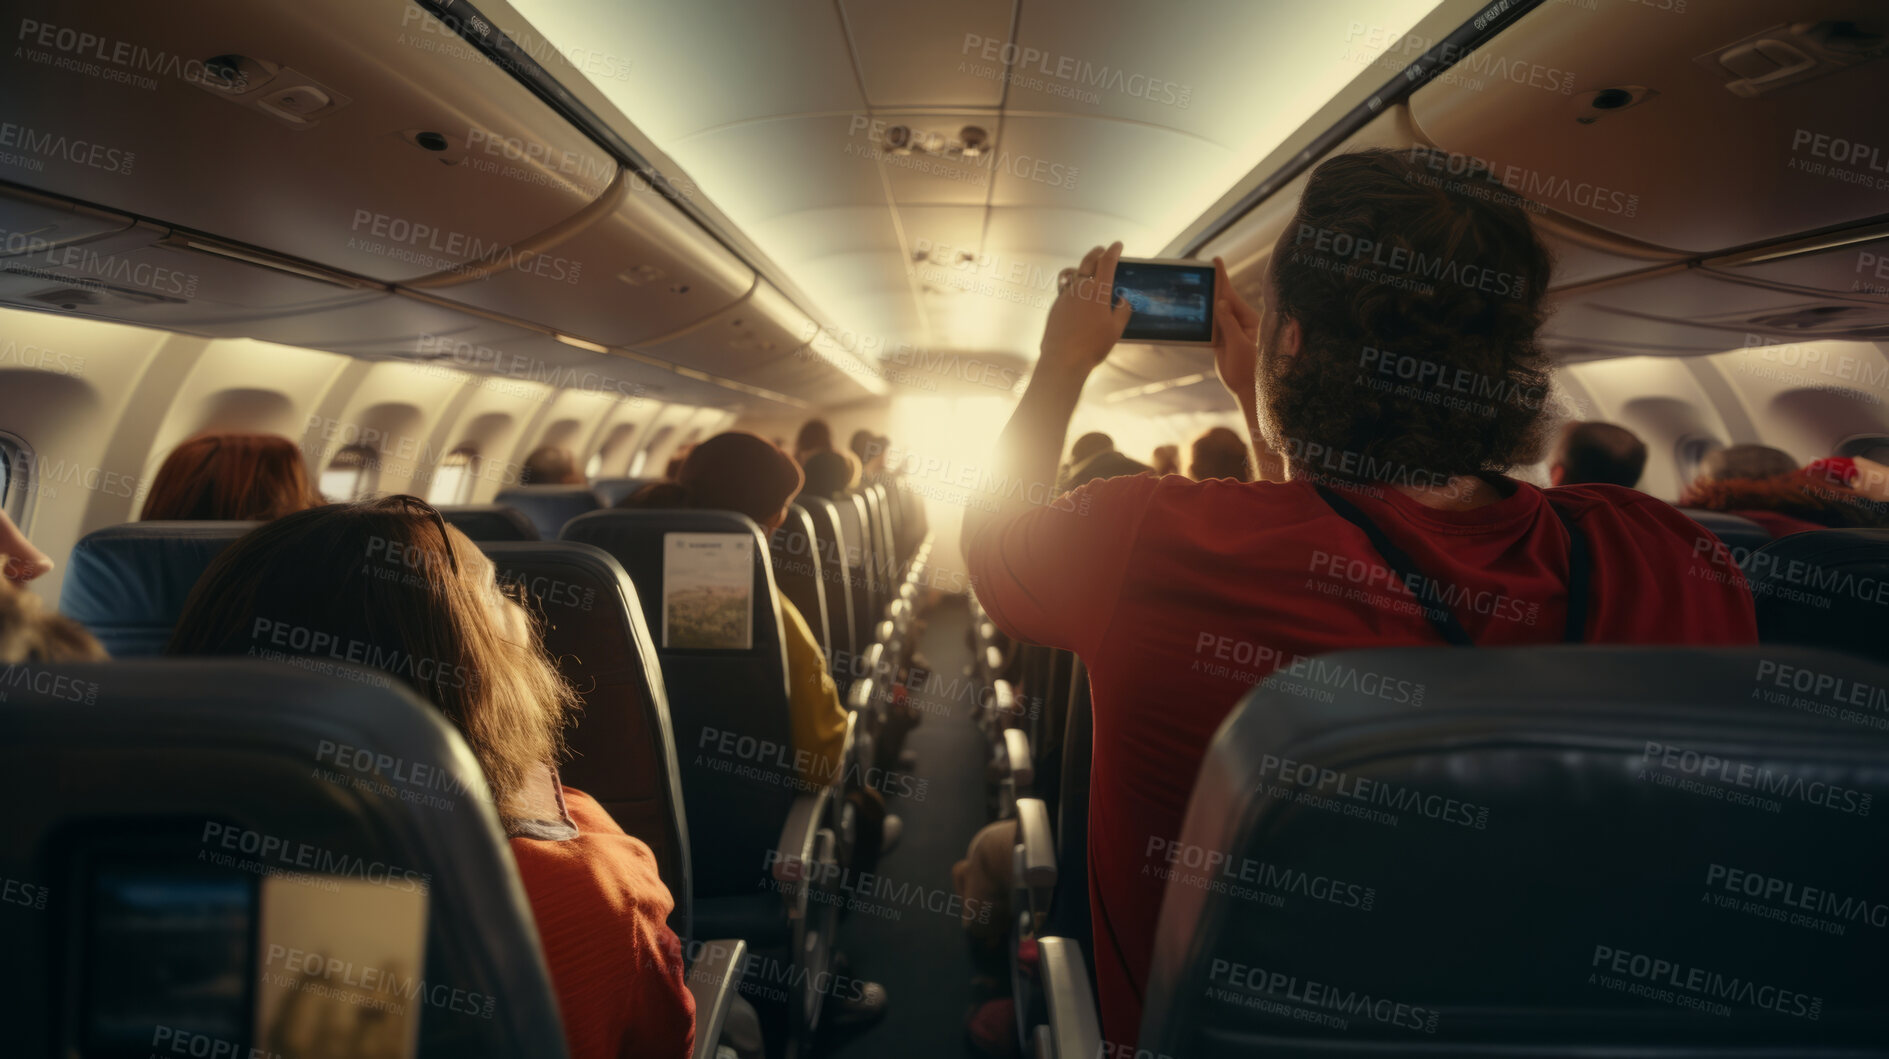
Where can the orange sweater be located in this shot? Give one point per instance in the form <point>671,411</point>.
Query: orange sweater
<point>616,965</point>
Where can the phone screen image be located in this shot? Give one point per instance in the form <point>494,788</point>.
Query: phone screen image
<point>1171,302</point>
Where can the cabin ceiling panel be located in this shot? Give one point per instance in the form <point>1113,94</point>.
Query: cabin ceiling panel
<point>929,54</point>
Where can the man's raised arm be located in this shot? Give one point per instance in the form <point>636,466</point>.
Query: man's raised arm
<point>1083,326</point>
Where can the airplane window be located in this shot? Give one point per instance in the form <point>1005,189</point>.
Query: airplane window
<point>452,483</point>
<point>351,475</point>
<point>16,466</point>
<point>593,466</point>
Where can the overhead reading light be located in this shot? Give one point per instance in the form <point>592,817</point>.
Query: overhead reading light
<point>970,142</point>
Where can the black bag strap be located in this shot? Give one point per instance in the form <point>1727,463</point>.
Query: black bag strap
<point>1579,571</point>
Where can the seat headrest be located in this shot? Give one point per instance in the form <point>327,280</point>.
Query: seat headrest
<point>254,808</point>
<point>1823,588</point>
<point>624,746</point>
<point>549,507</point>
<point>1740,534</point>
<point>1618,850</point>
<point>612,490</point>
<point>128,583</point>
<point>490,522</point>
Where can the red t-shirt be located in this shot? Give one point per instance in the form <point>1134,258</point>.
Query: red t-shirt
<point>601,909</point>
<point>1179,595</point>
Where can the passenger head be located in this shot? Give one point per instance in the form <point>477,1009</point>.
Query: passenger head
<point>1597,453</point>
<point>829,474</point>
<point>735,471</point>
<point>1167,460</point>
<point>1412,269</point>
<point>1219,453</point>
<point>1090,444</point>
<point>815,436</point>
<point>870,448</point>
<point>676,459</point>
<point>1746,462</point>
<point>32,632</point>
<point>231,476</point>
<point>550,465</point>
<point>388,581</point>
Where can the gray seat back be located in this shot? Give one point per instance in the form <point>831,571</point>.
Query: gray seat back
<point>623,746</point>
<point>1546,850</point>
<point>220,837</point>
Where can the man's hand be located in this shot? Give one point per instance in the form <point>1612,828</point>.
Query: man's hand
<point>1084,324</point>
<point>1235,338</point>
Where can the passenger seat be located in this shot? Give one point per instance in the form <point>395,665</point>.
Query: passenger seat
<point>1824,588</point>
<point>1661,852</point>
<point>489,522</point>
<point>128,583</point>
<point>549,507</point>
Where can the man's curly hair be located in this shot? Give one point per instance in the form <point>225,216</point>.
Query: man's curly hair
<point>1417,283</point>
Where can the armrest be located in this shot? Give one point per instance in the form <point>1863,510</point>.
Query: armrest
<point>1039,849</point>
<point>801,833</point>
<point>1003,698</point>
<point>1072,1019</point>
<point>798,837</point>
<point>1017,747</point>
<point>712,982</point>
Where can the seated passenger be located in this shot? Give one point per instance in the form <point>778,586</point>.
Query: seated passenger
<point>1160,584</point>
<point>1167,460</point>
<point>1093,456</point>
<point>20,562</point>
<point>870,449</point>
<point>239,477</point>
<point>1597,453</point>
<point>829,474</point>
<point>1218,453</point>
<point>599,903</point>
<point>745,473</point>
<point>742,472</point>
<point>1765,485</point>
<point>550,465</point>
<point>815,436</point>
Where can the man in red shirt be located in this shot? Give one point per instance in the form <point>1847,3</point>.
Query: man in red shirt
<point>1399,375</point>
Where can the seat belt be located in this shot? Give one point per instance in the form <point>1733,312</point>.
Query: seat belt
<point>1580,569</point>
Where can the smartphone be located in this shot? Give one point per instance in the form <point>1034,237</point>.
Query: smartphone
<point>1172,299</point>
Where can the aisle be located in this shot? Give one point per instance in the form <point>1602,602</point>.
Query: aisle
<point>921,957</point>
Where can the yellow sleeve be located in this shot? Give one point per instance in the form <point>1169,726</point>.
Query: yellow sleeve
<point>818,720</point>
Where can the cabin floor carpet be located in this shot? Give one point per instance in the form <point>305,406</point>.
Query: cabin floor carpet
<point>922,957</point>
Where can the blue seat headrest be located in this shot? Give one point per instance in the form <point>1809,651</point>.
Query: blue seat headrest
<point>128,583</point>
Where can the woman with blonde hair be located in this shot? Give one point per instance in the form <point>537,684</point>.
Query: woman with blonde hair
<point>390,582</point>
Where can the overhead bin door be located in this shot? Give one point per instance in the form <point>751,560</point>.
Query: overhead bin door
<point>358,134</point>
